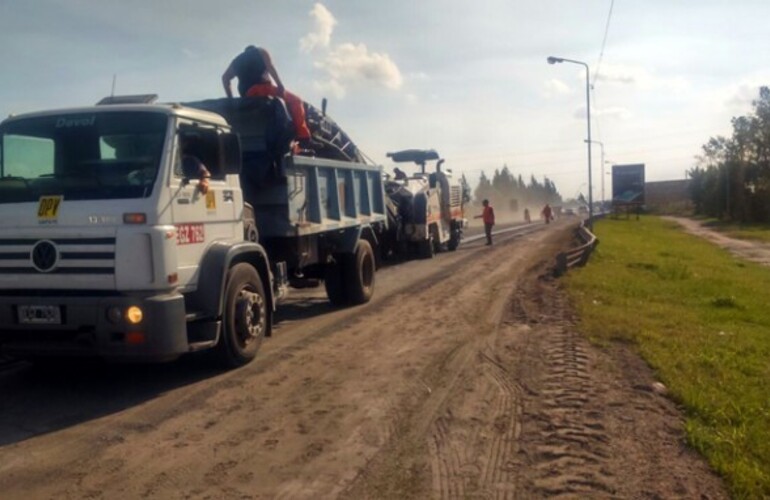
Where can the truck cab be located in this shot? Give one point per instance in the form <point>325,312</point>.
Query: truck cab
<point>122,235</point>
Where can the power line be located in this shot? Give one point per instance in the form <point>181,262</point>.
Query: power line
<point>604,42</point>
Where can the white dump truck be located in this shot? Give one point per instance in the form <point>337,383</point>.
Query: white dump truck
<point>124,232</point>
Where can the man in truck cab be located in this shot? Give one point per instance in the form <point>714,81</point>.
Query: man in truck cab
<point>254,69</point>
<point>190,163</point>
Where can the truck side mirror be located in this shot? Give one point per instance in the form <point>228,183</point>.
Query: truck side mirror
<point>230,146</point>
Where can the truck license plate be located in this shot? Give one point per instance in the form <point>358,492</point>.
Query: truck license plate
<point>39,315</point>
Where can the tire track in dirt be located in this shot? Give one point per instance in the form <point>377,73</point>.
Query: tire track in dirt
<point>566,450</point>
<point>468,431</point>
<point>457,468</point>
<point>482,423</point>
<point>569,437</point>
<point>592,425</point>
<point>428,452</point>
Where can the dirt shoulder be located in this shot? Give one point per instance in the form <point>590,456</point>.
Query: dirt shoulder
<point>474,384</point>
<point>755,251</point>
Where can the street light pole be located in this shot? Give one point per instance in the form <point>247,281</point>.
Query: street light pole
<point>601,145</point>
<point>554,60</point>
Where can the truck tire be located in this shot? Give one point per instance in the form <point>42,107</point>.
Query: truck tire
<point>359,270</point>
<point>245,318</point>
<point>334,283</point>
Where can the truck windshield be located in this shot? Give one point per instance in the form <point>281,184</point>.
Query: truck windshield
<point>89,156</point>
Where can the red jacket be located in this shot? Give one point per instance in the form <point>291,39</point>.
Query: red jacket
<point>488,216</point>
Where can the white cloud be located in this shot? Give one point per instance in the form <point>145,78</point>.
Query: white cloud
<point>346,64</point>
<point>330,87</point>
<point>740,96</point>
<point>349,64</point>
<point>736,97</point>
<point>190,54</point>
<point>640,77</point>
<point>323,26</point>
<point>555,86</point>
<point>419,76</point>
<point>615,112</point>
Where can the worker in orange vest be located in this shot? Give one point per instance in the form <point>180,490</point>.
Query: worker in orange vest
<point>488,217</point>
<point>547,213</point>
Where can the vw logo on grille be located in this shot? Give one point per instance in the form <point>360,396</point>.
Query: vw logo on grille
<point>44,256</point>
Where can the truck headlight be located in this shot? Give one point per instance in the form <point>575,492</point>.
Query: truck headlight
<point>134,315</point>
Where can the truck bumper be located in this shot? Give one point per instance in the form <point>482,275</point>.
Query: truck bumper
<point>94,326</point>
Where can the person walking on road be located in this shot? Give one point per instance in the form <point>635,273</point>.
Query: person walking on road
<point>254,69</point>
<point>547,213</point>
<point>488,217</point>
<point>527,219</point>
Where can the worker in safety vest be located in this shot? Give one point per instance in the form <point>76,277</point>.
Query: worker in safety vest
<point>547,213</point>
<point>488,217</point>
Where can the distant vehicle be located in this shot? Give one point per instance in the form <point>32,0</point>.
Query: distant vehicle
<point>569,211</point>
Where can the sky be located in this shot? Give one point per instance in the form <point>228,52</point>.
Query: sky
<point>469,79</point>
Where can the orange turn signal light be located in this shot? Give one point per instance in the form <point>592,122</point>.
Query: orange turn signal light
<point>135,218</point>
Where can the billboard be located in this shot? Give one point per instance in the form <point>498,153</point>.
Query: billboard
<point>628,184</point>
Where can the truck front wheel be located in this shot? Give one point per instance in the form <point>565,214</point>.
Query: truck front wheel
<point>246,317</point>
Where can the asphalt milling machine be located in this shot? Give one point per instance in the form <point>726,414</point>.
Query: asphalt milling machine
<point>426,209</point>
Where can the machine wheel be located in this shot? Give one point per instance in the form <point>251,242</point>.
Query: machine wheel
<point>335,283</point>
<point>437,246</point>
<point>358,272</point>
<point>454,239</point>
<point>246,317</point>
<point>425,248</point>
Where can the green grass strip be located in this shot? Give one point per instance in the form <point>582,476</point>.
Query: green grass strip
<point>743,231</point>
<point>701,319</point>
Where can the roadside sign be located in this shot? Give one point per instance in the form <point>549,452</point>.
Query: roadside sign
<point>628,184</point>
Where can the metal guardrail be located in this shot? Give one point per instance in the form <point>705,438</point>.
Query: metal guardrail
<point>577,256</point>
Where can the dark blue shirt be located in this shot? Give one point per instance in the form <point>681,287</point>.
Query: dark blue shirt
<point>250,68</point>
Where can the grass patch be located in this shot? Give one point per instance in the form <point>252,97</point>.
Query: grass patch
<point>701,319</point>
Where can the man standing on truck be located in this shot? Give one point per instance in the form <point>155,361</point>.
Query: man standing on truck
<point>488,216</point>
<point>254,70</point>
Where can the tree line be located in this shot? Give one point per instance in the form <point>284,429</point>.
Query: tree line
<point>732,178</point>
<point>504,190</point>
